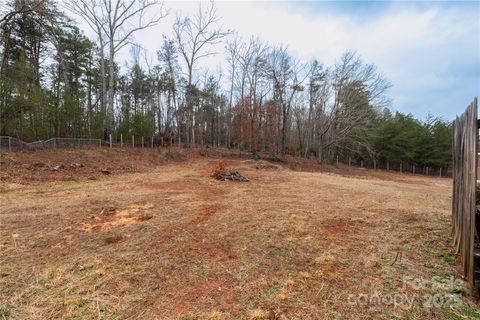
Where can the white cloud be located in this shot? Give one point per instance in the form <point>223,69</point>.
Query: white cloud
<point>418,48</point>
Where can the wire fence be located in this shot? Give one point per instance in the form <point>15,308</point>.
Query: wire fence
<point>8,143</point>
<point>13,144</point>
<point>402,167</point>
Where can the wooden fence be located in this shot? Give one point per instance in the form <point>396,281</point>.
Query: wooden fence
<point>465,137</point>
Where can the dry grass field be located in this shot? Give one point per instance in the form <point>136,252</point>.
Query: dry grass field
<point>167,241</point>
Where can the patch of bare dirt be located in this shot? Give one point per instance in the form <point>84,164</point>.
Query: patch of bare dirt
<point>110,217</point>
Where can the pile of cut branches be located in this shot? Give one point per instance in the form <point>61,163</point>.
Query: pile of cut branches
<point>231,175</point>
<point>222,173</point>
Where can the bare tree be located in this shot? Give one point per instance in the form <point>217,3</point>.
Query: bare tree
<point>357,91</point>
<point>253,61</point>
<point>316,86</point>
<point>168,56</point>
<point>193,37</point>
<point>115,22</point>
<point>285,72</point>
<point>233,49</point>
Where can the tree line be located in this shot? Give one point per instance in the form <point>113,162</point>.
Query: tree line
<point>56,82</point>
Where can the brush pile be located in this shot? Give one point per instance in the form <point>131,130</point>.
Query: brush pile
<point>231,175</point>
<point>222,173</point>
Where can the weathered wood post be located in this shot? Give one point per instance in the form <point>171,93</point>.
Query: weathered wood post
<point>152,142</point>
<point>349,162</point>
<point>337,161</point>
<point>100,142</point>
<point>361,164</point>
<point>133,141</point>
<point>110,140</point>
<point>142,142</point>
<point>427,171</point>
<point>464,218</point>
<point>121,140</point>
<point>440,171</point>
<point>9,144</point>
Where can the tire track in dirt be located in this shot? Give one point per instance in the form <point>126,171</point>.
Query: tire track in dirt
<point>203,215</point>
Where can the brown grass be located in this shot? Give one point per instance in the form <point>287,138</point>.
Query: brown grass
<point>169,242</point>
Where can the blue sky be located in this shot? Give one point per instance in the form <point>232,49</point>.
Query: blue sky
<point>430,51</point>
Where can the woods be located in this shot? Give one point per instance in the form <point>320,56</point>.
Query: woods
<point>56,82</point>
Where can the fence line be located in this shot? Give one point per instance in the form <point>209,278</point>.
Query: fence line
<point>11,144</point>
<point>404,167</point>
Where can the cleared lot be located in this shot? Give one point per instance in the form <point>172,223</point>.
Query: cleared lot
<point>171,242</point>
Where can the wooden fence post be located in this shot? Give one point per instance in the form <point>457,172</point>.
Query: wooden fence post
<point>337,161</point>
<point>440,172</point>
<point>427,171</point>
<point>152,141</point>
<point>401,165</point>
<point>110,139</point>
<point>133,141</point>
<point>121,140</point>
<point>142,142</point>
<point>349,162</point>
<point>100,143</point>
<point>9,144</point>
<point>465,140</point>
<point>361,164</point>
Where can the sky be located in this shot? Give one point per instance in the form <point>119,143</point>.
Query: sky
<point>430,51</point>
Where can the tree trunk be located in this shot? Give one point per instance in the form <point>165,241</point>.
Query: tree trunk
<point>103,75</point>
<point>110,95</point>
